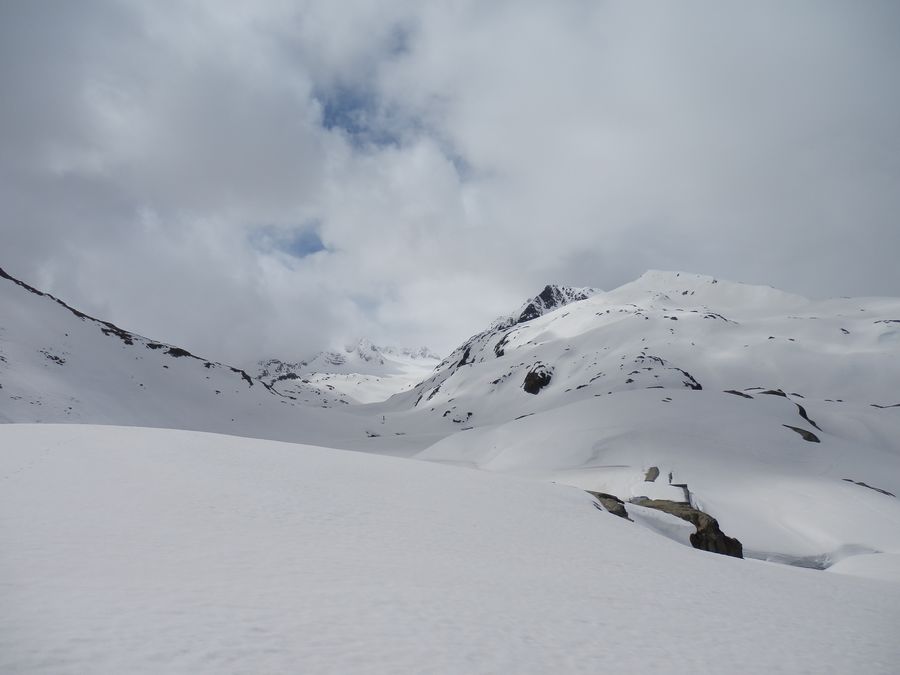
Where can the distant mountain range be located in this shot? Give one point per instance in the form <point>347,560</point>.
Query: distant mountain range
<point>359,373</point>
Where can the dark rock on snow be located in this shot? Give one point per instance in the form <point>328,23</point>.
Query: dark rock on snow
<point>807,435</point>
<point>708,537</point>
<point>537,378</point>
<point>611,503</point>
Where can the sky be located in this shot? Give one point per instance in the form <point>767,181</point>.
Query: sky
<point>271,178</point>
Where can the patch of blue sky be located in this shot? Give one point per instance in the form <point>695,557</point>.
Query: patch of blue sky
<point>297,242</point>
<point>357,115</point>
<point>355,112</point>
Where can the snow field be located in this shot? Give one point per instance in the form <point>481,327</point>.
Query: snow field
<point>147,550</point>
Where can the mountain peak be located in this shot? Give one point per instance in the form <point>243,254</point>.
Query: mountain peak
<point>552,297</point>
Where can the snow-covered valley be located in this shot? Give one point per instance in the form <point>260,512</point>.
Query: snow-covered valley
<point>477,548</point>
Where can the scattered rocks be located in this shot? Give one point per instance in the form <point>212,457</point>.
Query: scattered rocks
<point>111,329</point>
<point>51,357</point>
<point>690,382</point>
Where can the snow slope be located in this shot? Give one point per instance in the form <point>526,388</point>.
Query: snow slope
<point>676,331</point>
<point>59,365</point>
<point>783,497</point>
<point>147,550</point>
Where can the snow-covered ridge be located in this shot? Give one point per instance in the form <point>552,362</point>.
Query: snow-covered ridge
<point>58,364</point>
<point>128,338</point>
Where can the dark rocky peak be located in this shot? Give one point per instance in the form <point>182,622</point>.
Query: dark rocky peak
<point>552,297</point>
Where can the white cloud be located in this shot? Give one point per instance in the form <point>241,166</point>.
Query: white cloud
<point>453,158</point>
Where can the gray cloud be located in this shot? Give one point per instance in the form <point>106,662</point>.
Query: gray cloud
<point>165,164</point>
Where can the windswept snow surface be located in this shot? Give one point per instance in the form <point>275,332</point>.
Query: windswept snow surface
<point>129,550</point>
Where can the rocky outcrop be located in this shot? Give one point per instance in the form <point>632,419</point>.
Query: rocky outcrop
<point>610,503</point>
<point>550,298</point>
<point>708,537</point>
<point>537,378</point>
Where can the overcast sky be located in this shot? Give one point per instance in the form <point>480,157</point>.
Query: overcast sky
<point>262,178</point>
